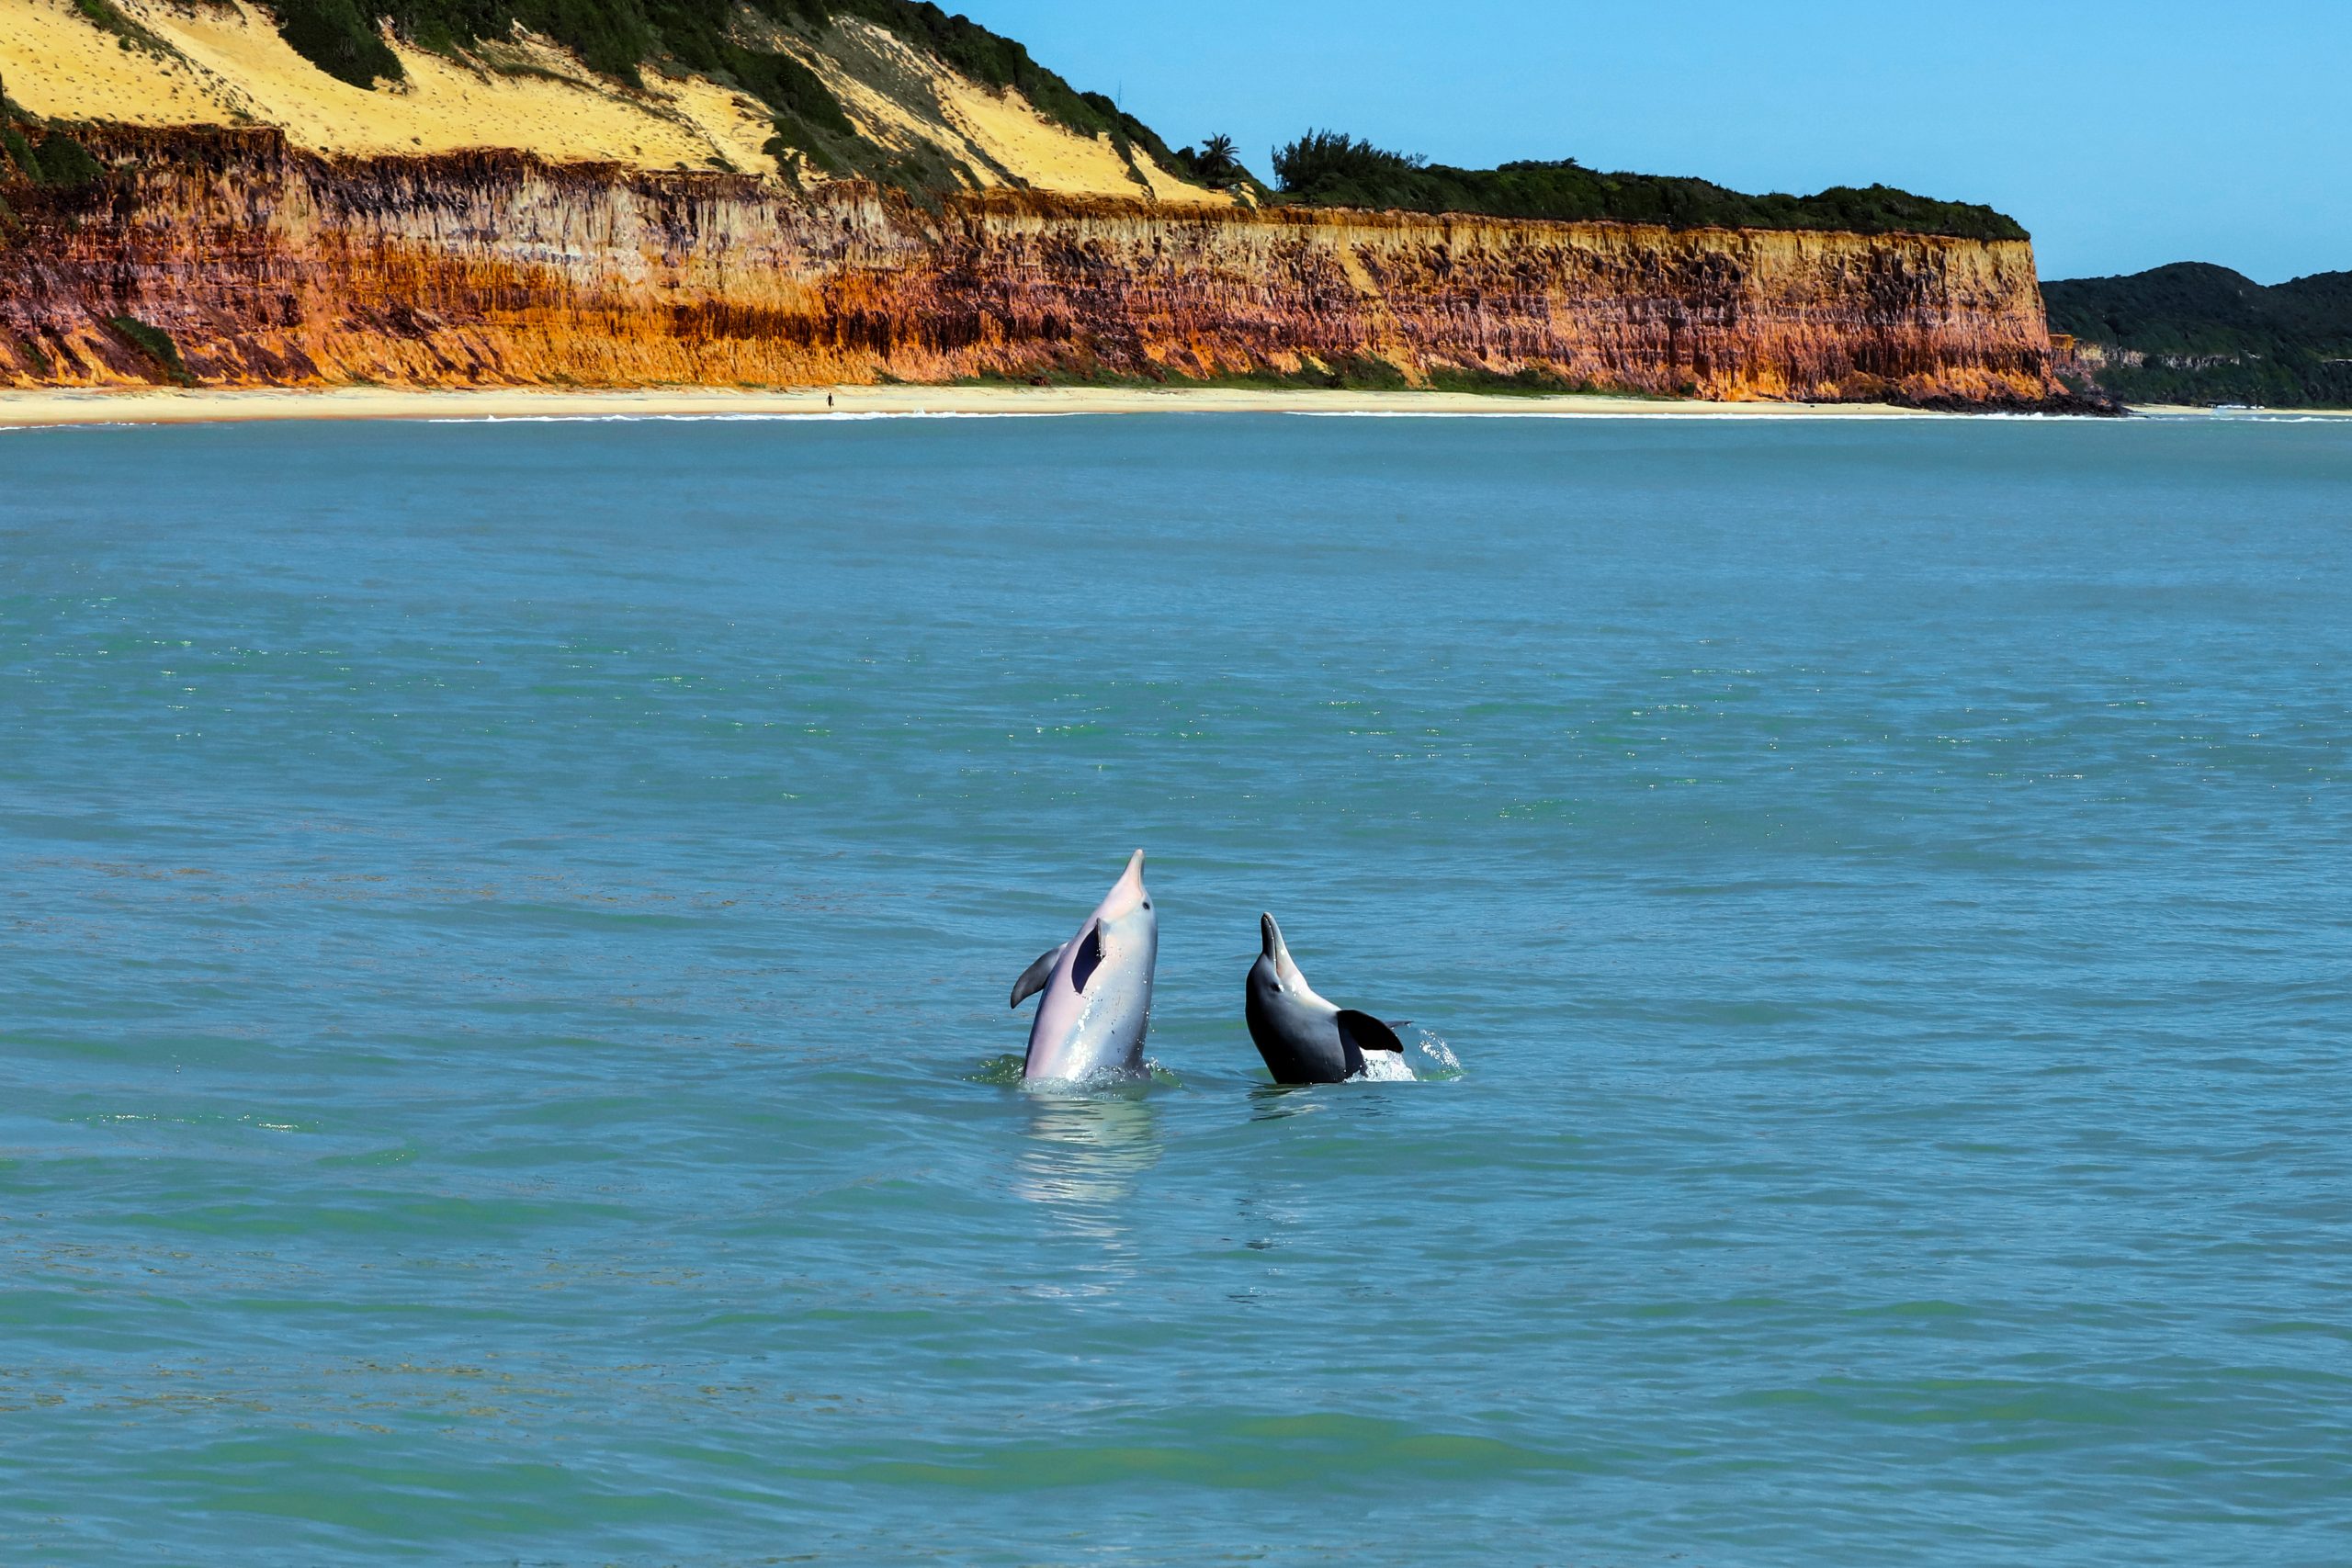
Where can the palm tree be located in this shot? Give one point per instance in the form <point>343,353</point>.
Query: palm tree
<point>1213,164</point>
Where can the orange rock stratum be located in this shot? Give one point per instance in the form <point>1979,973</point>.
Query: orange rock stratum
<point>268,266</point>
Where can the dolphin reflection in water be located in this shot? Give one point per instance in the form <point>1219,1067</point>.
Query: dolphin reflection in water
<point>1084,1151</point>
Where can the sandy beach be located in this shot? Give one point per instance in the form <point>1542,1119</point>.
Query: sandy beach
<point>22,409</point>
<point>175,407</point>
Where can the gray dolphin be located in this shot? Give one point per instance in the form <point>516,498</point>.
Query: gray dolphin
<point>1303,1038</point>
<point>1096,989</point>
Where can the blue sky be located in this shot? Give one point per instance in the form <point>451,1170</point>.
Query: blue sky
<point>2123,135</point>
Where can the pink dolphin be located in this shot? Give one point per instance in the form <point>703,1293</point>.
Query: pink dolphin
<point>1096,989</point>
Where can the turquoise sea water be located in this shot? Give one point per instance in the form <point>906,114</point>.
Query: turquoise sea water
<point>505,932</point>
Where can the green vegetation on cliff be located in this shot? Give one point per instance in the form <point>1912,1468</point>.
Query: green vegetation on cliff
<point>618,37</point>
<point>55,160</point>
<point>156,345</point>
<point>2196,333</point>
<point>1324,168</point>
<point>17,154</point>
<point>108,18</point>
<point>1217,165</point>
<point>333,36</point>
<point>743,43</point>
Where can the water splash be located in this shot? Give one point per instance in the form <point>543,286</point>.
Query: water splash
<point>1004,1072</point>
<point>1433,1057</point>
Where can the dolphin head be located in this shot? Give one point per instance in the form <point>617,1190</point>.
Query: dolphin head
<point>1274,955</point>
<point>1125,928</point>
<point>1128,896</point>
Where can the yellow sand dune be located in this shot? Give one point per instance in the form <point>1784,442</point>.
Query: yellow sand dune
<point>224,63</point>
<point>998,138</point>
<point>228,66</point>
<point>54,63</point>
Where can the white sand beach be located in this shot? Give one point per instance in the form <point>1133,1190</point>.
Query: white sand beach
<point>161,406</point>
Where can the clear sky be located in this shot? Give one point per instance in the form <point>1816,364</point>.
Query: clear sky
<point>2123,135</point>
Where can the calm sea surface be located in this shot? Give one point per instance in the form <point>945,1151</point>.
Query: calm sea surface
<point>504,934</point>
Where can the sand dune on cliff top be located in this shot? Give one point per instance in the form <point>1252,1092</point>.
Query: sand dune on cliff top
<point>229,66</point>
<point>54,63</point>
<point>1051,158</point>
<point>233,68</point>
<point>982,131</point>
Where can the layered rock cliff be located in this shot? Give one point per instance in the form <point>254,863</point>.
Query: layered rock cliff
<point>229,258</point>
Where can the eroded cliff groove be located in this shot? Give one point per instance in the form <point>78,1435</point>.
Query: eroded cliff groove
<point>270,267</point>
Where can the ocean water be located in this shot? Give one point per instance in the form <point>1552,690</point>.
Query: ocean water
<point>505,932</point>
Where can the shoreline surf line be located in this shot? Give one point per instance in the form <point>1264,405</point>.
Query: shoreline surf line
<point>53,407</point>
<point>49,407</point>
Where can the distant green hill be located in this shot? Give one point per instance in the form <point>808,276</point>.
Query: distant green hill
<point>2195,333</point>
<point>1327,169</point>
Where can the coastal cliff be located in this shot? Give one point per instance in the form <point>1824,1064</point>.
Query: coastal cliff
<point>229,258</point>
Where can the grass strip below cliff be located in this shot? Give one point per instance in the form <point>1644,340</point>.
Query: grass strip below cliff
<point>1325,168</point>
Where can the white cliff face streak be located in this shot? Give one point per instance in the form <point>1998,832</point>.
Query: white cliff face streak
<point>268,265</point>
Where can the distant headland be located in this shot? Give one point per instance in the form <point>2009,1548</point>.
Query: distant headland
<point>2200,334</point>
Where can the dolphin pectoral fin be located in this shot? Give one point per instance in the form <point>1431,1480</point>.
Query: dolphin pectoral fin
<point>1362,1034</point>
<point>1033,979</point>
<point>1092,951</point>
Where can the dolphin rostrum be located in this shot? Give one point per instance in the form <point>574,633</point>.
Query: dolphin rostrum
<point>1096,989</point>
<point>1303,1038</point>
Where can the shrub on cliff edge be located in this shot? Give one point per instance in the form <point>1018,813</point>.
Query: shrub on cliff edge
<point>1330,160</point>
<point>66,165</point>
<point>1325,168</point>
<point>58,161</point>
<point>334,36</point>
<point>15,149</point>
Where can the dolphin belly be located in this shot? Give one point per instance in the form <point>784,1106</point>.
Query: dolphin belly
<point>1091,1021</point>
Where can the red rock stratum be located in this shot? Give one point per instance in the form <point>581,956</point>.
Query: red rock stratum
<point>268,265</point>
